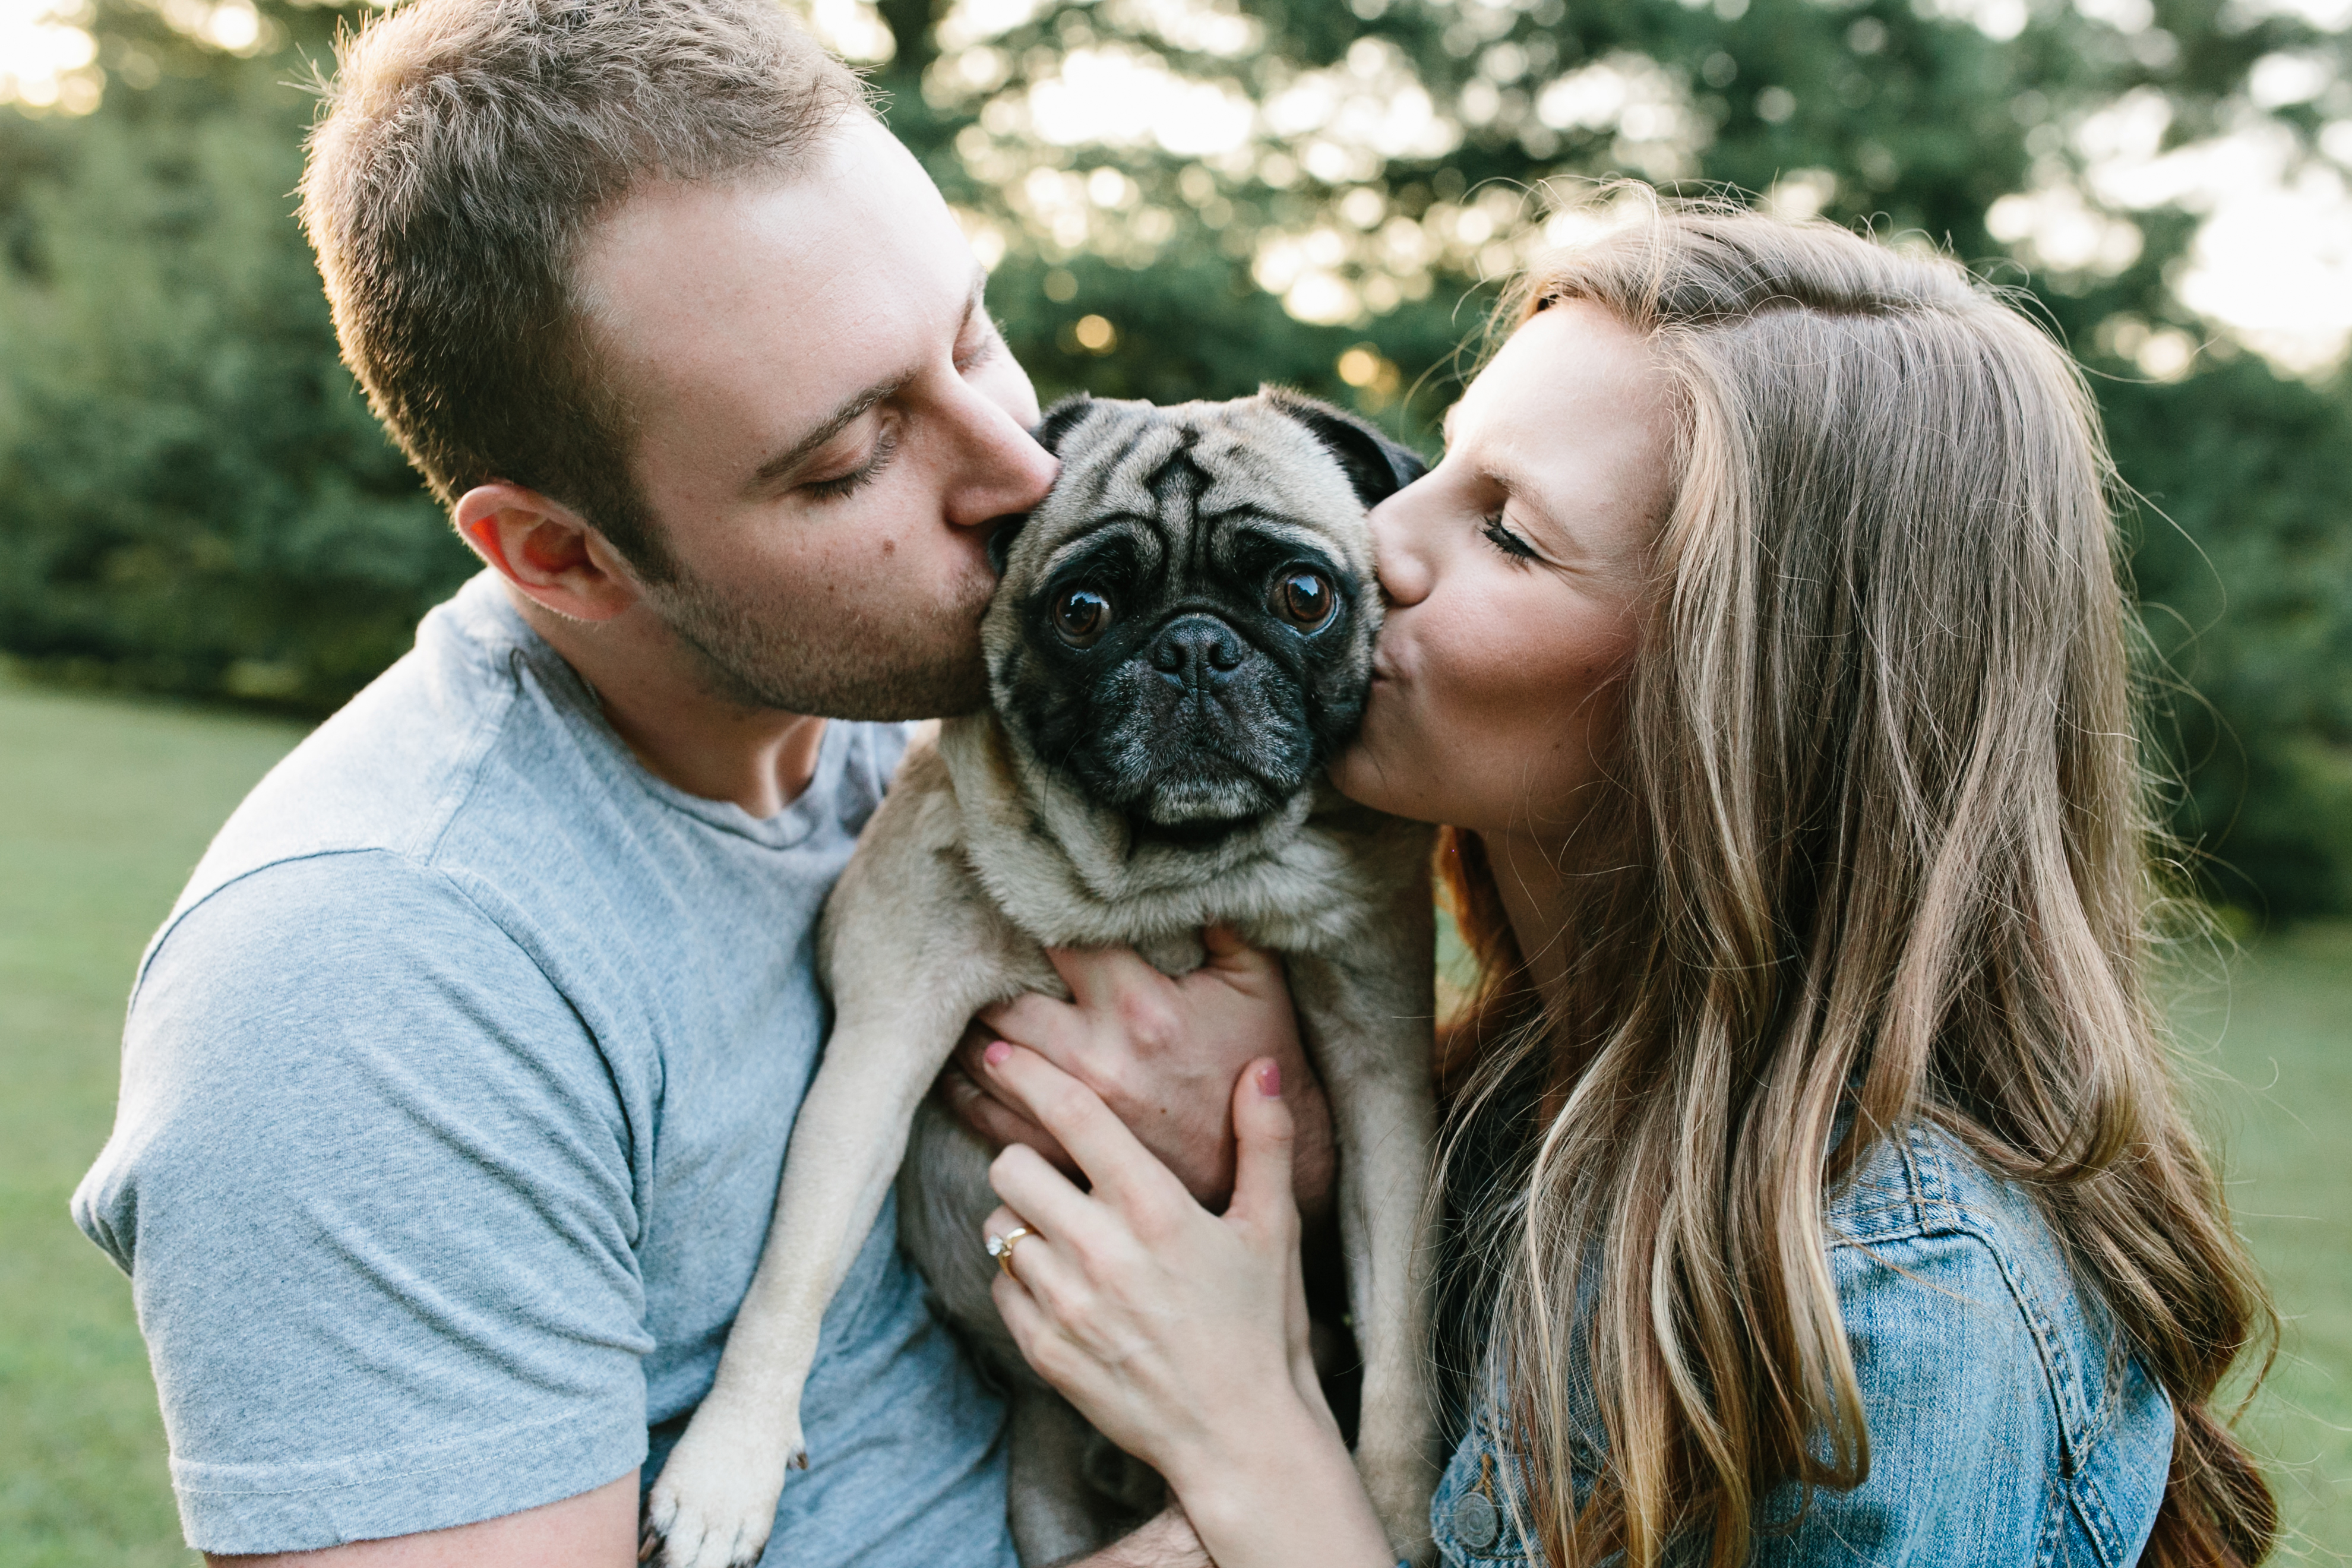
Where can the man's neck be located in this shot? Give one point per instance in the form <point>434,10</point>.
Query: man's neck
<point>657,694</point>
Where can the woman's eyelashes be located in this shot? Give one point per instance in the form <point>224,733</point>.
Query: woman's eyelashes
<point>1494,530</point>
<point>885,444</point>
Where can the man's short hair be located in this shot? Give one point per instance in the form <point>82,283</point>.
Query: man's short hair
<point>464,148</point>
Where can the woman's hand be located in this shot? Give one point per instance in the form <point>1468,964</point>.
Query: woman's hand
<point>1183,1335</point>
<point>1162,1054</point>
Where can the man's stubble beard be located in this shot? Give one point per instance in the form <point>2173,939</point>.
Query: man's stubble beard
<point>774,655</point>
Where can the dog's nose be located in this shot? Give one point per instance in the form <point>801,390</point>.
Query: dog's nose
<point>1196,651</point>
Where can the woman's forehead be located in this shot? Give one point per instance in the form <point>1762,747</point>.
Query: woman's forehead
<point>1573,359</point>
<point>1574,402</point>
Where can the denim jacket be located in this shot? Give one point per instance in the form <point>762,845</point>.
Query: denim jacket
<point>2007,1424</point>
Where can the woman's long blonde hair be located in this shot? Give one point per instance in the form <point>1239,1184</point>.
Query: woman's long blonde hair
<point>1878,839</point>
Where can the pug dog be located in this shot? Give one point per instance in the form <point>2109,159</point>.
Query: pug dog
<point>1179,643</point>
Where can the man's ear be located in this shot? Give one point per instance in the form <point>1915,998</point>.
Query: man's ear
<point>1376,464</point>
<point>546,550</point>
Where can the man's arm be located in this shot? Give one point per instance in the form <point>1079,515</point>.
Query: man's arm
<point>370,1179</point>
<point>594,1530</point>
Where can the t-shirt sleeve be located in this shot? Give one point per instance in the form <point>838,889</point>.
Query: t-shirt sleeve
<point>373,1185</point>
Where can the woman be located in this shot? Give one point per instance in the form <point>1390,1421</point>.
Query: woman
<point>1816,1187</point>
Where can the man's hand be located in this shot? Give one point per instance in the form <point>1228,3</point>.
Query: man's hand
<point>1163,1054</point>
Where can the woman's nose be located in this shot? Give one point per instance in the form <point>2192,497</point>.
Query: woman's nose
<point>1404,572</point>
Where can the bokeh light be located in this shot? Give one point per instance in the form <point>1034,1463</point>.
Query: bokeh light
<point>1165,80</point>
<point>46,61</point>
<point>2270,266</point>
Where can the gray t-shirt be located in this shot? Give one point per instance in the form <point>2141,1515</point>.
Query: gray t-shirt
<point>455,1091</point>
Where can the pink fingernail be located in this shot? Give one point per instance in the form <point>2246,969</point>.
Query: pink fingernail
<point>1269,1080</point>
<point>997,1054</point>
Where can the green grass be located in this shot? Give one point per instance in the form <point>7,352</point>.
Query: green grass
<point>105,805</point>
<point>2278,1040</point>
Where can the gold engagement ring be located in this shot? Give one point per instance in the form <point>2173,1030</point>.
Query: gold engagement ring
<point>1000,1247</point>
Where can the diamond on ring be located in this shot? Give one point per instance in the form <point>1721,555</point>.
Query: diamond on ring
<point>1000,1247</point>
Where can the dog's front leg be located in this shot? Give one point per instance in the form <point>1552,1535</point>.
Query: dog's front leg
<point>911,958</point>
<point>1370,1023</point>
<point>716,1500</point>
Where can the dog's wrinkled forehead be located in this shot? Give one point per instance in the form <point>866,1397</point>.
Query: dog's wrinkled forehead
<point>1184,630</point>
<point>1191,465</point>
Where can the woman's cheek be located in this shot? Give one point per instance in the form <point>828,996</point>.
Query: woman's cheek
<point>1381,767</point>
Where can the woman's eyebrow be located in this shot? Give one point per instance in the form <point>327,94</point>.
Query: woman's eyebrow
<point>1527,499</point>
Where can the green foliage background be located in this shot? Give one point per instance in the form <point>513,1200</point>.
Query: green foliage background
<point>194,499</point>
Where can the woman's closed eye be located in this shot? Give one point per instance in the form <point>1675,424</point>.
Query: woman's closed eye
<point>1498,534</point>
<point>886,444</point>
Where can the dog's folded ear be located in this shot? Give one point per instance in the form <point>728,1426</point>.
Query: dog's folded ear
<point>1051,427</point>
<point>1376,464</point>
<point>1066,415</point>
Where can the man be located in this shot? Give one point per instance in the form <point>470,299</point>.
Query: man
<point>456,1085</point>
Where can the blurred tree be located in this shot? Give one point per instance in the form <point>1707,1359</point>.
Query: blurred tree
<point>2244,566</point>
<point>1182,198</point>
<point>1157,172</point>
<point>193,497</point>
<point>1365,162</point>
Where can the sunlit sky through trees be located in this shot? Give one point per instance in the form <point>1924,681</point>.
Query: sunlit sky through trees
<point>2271,264</point>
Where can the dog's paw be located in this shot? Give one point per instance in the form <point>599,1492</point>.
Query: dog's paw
<point>716,1500</point>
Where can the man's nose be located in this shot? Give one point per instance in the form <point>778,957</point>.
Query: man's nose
<point>1006,472</point>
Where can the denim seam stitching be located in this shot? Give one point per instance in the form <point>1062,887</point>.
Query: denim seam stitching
<point>1865,1227</point>
<point>2065,1378</point>
<point>2089,1501</point>
<point>2050,1538</point>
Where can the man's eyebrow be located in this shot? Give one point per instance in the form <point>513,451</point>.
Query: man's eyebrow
<point>843,417</point>
<point>834,424</point>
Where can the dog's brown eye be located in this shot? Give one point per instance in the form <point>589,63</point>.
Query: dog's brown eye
<point>1305,599</point>
<point>1081,616</point>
